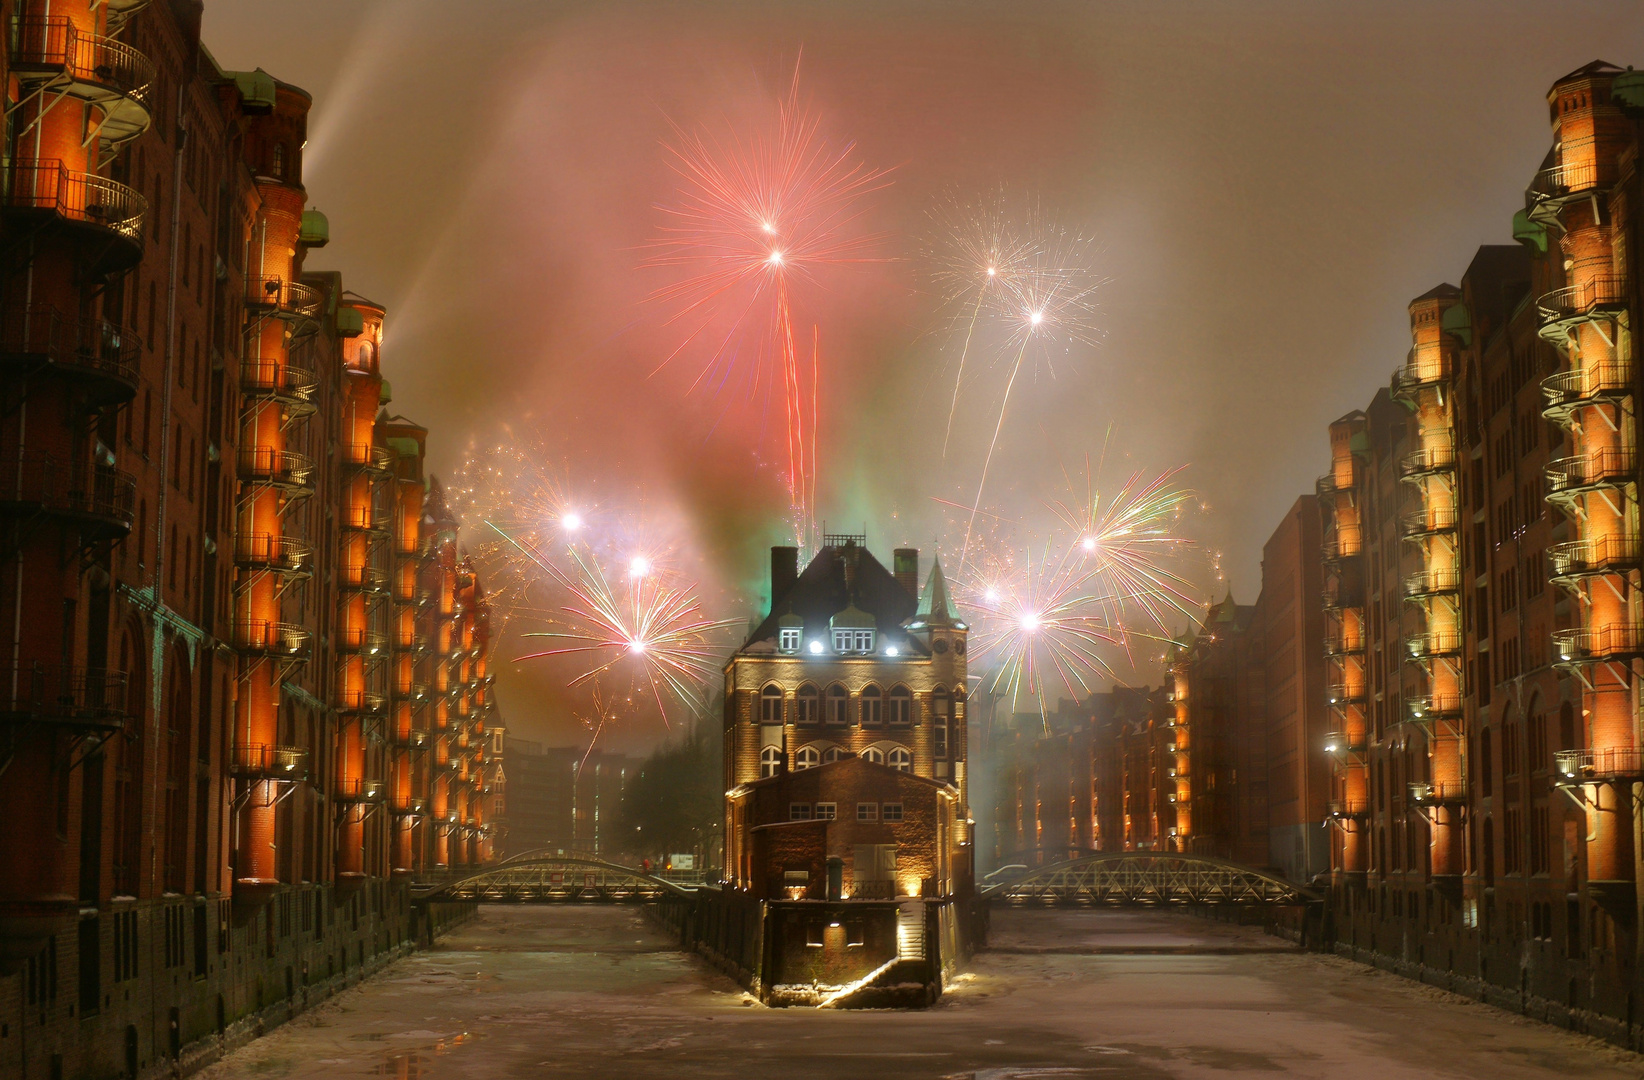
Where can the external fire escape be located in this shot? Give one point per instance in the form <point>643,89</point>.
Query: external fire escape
<point>1588,320</point>
<point>1344,647</point>
<point>1424,385</point>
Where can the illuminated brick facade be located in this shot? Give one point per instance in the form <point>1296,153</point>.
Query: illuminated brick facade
<point>212,564</point>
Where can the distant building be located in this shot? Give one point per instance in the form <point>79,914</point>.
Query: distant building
<point>565,800</point>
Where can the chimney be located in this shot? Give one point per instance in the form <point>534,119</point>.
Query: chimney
<point>784,572</point>
<point>906,563</point>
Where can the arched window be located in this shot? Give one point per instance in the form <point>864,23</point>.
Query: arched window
<point>901,706</point>
<point>809,704</point>
<point>770,760</point>
<point>838,705</point>
<point>832,754</point>
<point>363,360</point>
<point>941,706</point>
<point>900,760</point>
<point>873,706</point>
<point>807,758</point>
<point>874,754</point>
<point>770,705</point>
<point>279,161</point>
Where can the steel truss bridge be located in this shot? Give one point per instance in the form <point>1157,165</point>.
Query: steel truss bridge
<point>1144,878</point>
<point>538,879</point>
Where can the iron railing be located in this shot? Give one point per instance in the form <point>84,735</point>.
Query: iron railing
<point>1428,459</point>
<point>1434,643</point>
<point>1614,641</point>
<point>46,184</point>
<point>1574,301</point>
<point>1149,879</point>
<point>1606,465</point>
<point>35,480</point>
<point>1425,520</point>
<point>56,47</point>
<point>1590,765</point>
<point>279,468</point>
<point>369,578</point>
<point>1564,390</point>
<point>263,761</point>
<point>372,458</point>
<point>1445,793</point>
<point>361,701</point>
<point>279,379</point>
<point>1342,544</point>
<point>1442,579</point>
<point>1596,555</point>
<point>358,790</point>
<point>357,640</point>
<point>64,694</point>
<point>92,346</point>
<point>368,518</point>
<point>1426,707</point>
<point>1343,742</point>
<point>1418,372</point>
<point>1342,694</point>
<point>1349,808</point>
<point>284,297</point>
<point>270,637</point>
<point>282,553</point>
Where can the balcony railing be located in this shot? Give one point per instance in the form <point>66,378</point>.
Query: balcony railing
<point>1581,299</point>
<point>1562,181</point>
<point>267,762</point>
<point>1328,486</point>
<point>1343,742</point>
<point>1342,694</point>
<point>60,694</point>
<point>1425,793</point>
<point>1604,467</point>
<point>413,738</point>
<point>1595,766</point>
<point>369,579</point>
<point>1604,380</point>
<point>371,519</point>
<point>1598,555</point>
<point>73,58</point>
<point>283,554</point>
<point>1431,582</point>
<point>284,381</point>
<point>78,197</point>
<point>1336,645</point>
<point>410,806</point>
<point>372,458</point>
<point>1616,641</point>
<point>291,299</point>
<point>41,334</point>
<point>361,701</point>
<point>1419,372</point>
<point>1342,544</point>
<point>1434,643</point>
<point>271,638</point>
<point>1349,808</point>
<point>277,468</point>
<point>1426,520</point>
<point>355,640</point>
<point>1428,460</point>
<point>1430,707</point>
<point>36,482</point>
<point>358,790</point>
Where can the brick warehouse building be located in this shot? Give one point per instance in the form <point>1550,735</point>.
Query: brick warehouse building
<point>846,812</point>
<point>1482,553</point>
<point>247,693</point>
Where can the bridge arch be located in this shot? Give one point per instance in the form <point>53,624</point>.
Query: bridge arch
<point>1148,878</point>
<point>532,878</point>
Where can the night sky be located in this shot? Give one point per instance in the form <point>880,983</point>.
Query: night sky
<point>1266,184</point>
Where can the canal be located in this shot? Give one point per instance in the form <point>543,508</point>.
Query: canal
<point>595,991</point>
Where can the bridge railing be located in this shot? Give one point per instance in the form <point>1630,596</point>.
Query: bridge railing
<point>555,879</point>
<point>1149,879</point>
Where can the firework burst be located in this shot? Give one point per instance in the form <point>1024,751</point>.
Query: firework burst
<point>754,222</point>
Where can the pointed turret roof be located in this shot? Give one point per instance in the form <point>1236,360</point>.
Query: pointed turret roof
<point>934,605</point>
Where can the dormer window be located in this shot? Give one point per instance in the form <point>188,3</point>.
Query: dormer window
<point>789,637</point>
<point>852,640</point>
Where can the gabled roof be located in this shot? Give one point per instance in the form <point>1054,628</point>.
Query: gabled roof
<point>1445,291</point>
<point>851,761</point>
<point>821,592</point>
<point>1591,69</point>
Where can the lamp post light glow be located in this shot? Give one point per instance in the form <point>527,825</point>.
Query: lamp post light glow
<point>816,648</point>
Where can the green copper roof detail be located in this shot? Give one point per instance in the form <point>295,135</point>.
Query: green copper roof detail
<point>1532,234</point>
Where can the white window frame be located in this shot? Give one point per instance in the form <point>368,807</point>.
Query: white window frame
<point>807,758</point>
<point>891,813</point>
<point>827,811</point>
<point>906,762</point>
<point>770,761</point>
<point>874,754</point>
<point>790,638</point>
<point>867,811</point>
<point>799,811</point>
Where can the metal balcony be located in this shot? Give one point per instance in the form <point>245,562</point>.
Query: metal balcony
<point>284,469</point>
<point>413,806</point>
<point>366,642</point>
<point>1590,766</point>
<point>1327,487</point>
<point>378,460</point>
<point>1603,382</point>
<point>57,58</point>
<point>1341,695</point>
<point>106,212</point>
<point>361,701</point>
<point>1550,189</point>
<point>291,300</point>
<point>264,637</point>
<point>1335,647</point>
<point>1425,709</point>
<point>1616,641</point>
<point>66,696</point>
<point>1583,301</point>
<point>1349,809</point>
<point>280,554</point>
<point>1419,373</point>
<point>1344,742</point>
<point>266,762</point>
<point>99,355</point>
<point>411,739</point>
<point>367,519</point>
<point>1427,520</point>
<point>1337,595</point>
<point>1424,584</point>
<point>1608,466</point>
<point>1578,559</point>
<point>1342,544</point>
<point>99,498</point>
<point>1434,644</point>
<point>1427,461</point>
<point>286,382</point>
<point>369,579</point>
<point>358,790</point>
<point>1424,793</point>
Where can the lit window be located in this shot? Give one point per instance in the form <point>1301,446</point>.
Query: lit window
<point>873,706</point>
<point>807,758</point>
<point>810,704</point>
<point>901,706</point>
<point>893,811</point>
<point>788,639</point>
<point>770,705</point>
<point>770,760</point>
<point>801,811</point>
<point>874,754</point>
<point>867,811</point>
<point>827,811</point>
<point>838,705</point>
<point>852,640</point>
<point>900,760</point>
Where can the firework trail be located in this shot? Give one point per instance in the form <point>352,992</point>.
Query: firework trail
<point>754,221</point>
